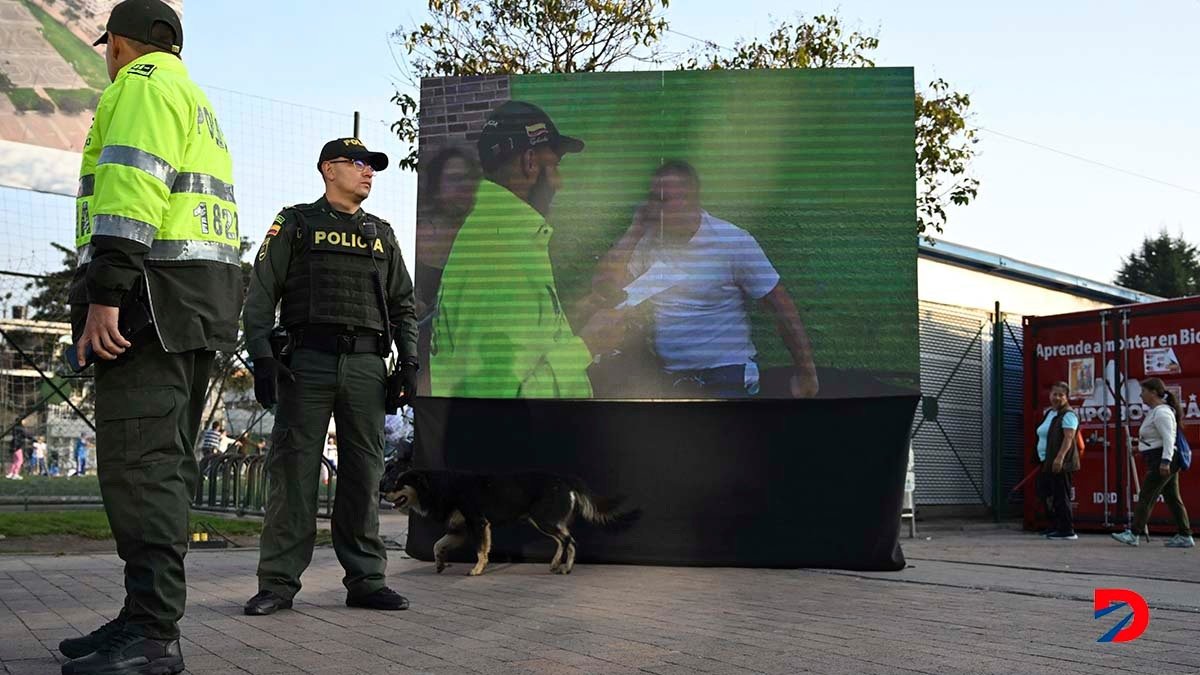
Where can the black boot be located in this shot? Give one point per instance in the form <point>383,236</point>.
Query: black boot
<point>73,648</point>
<point>127,653</point>
<point>266,602</point>
<point>384,599</point>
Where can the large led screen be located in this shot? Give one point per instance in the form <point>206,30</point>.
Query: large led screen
<point>650,235</point>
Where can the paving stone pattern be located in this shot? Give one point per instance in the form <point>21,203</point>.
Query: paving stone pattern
<point>979,600</point>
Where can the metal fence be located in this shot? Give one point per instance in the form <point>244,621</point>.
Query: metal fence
<point>274,146</point>
<point>967,431</point>
<point>235,483</point>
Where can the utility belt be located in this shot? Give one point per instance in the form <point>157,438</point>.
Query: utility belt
<point>338,340</point>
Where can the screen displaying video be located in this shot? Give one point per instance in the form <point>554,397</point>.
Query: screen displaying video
<point>668,235</point>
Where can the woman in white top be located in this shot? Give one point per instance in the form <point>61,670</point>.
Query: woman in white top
<point>330,454</point>
<point>39,457</point>
<point>1156,440</point>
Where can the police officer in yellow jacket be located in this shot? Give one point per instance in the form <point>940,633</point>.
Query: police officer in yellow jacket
<point>501,330</point>
<point>342,287</point>
<point>157,292</point>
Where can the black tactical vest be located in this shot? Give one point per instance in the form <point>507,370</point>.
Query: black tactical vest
<point>329,278</point>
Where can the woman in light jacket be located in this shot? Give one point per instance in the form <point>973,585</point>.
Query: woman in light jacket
<point>1156,440</point>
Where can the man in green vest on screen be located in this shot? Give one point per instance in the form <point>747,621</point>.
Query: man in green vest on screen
<point>502,331</point>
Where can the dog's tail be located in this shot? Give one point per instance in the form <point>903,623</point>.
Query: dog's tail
<point>603,511</point>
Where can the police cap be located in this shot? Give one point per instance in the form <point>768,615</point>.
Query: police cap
<point>352,148</point>
<point>517,126</point>
<point>135,19</point>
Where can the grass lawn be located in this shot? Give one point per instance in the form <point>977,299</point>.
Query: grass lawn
<point>93,524</point>
<point>28,99</point>
<point>74,100</point>
<point>51,486</point>
<point>79,54</point>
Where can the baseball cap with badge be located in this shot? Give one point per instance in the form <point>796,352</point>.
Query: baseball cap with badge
<point>517,126</point>
<point>135,19</point>
<point>352,148</point>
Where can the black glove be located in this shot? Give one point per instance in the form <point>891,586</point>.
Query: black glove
<point>408,380</point>
<point>401,387</point>
<point>266,373</point>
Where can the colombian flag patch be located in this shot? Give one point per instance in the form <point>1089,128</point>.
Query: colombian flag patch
<point>275,226</point>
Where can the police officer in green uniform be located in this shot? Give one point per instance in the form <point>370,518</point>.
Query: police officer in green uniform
<point>343,290</point>
<point>157,291</point>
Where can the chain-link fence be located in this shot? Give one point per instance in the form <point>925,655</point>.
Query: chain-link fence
<point>275,147</point>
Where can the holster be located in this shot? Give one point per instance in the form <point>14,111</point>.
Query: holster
<point>281,345</point>
<point>135,314</point>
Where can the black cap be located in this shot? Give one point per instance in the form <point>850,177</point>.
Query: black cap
<point>135,19</point>
<point>517,126</point>
<point>352,148</point>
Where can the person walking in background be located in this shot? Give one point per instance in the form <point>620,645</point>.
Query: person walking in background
<point>81,455</point>
<point>1156,441</point>
<point>330,453</point>
<point>210,442</point>
<point>17,449</point>
<point>38,468</point>
<point>1059,459</point>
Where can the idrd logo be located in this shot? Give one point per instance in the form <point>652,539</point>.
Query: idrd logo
<point>1109,600</point>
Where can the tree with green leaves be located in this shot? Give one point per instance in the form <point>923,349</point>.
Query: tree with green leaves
<point>1165,266</point>
<point>49,303</point>
<point>475,37</point>
<point>229,373</point>
<point>513,37</point>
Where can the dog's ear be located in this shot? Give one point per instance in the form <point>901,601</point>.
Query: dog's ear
<point>421,481</point>
<point>408,477</point>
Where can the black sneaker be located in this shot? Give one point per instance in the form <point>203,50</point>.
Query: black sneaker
<point>1062,536</point>
<point>73,648</point>
<point>265,603</point>
<point>127,653</point>
<point>383,599</point>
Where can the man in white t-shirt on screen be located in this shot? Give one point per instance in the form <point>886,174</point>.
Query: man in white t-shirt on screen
<point>699,273</point>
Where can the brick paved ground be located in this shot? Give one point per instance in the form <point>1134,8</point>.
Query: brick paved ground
<point>980,600</point>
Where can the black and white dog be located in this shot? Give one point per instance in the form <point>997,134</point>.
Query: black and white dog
<point>470,503</point>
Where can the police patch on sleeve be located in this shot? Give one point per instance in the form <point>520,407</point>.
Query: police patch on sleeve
<point>143,69</point>
<point>274,230</point>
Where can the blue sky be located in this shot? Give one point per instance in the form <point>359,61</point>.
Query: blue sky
<point>1113,82</point>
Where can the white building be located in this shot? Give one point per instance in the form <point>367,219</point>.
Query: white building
<point>968,428</point>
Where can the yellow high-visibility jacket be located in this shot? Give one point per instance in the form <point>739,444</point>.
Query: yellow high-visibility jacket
<point>501,331</point>
<point>155,209</point>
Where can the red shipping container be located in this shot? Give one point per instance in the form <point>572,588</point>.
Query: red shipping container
<point>1103,355</point>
